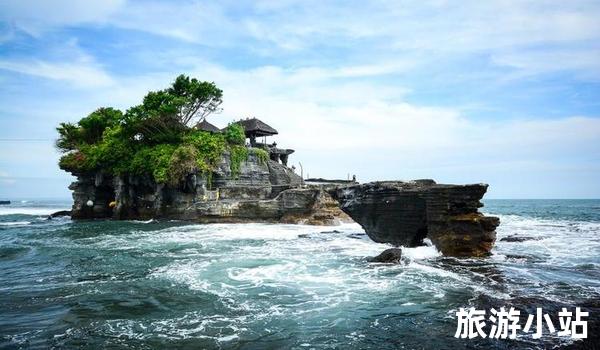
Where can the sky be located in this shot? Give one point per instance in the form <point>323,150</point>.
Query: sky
<point>501,92</point>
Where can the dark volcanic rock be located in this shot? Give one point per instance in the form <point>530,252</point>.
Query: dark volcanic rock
<point>404,213</point>
<point>59,214</point>
<point>261,192</point>
<point>515,238</point>
<point>391,255</point>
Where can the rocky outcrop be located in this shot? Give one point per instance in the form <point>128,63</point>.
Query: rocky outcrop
<point>59,214</point>
<point>405,213</point>
<point>263,191</point>
<point>390,256</point>
<point>516,238</point>
<point>325,212</point>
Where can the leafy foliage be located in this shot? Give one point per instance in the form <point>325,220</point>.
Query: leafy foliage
<point>154,138</point>
<point>237,154</point>
<point>234,134</point>
<point>194,99</point>
<point>74,161</point>
<point>261,154</point>
<point>183,161</point>
<point>94,125</point>
<point>89,130</point>
<point>150,127</point>
<point>69,137</point>
<point>154,160</point>
<point>112,152</point>
<point>164,115</point>
<point>210,148</point>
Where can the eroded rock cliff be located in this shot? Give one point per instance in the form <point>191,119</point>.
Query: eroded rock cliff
<point>264,191</point>
<point>405,213</point>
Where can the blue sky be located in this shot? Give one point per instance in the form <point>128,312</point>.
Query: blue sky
<point>502,92</point>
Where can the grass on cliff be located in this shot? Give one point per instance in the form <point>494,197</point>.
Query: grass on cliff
<point>155,138</point>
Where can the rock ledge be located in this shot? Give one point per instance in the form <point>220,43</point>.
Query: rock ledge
<point>405,213</point>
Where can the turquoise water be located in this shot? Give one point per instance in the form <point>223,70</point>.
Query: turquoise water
<point>102,284</point>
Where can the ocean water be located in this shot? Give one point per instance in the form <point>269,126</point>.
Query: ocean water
<point>140,285</point>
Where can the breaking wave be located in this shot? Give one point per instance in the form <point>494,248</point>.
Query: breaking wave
<point>143,284</point>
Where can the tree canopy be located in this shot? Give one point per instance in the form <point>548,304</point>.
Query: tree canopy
<point>165,113</point>
<point>154,138</point>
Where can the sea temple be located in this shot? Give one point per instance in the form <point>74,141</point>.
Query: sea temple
<point>147,163</point>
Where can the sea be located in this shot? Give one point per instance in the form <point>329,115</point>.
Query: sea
<point>178,285</point>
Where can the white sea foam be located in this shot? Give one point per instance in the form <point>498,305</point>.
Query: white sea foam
<point>149,221</point>
<point>29,210</point>
<point>549,256</point>
<point>323,270</point>
<point>15,223</point>
<point>259,278</point>
<point>421,253</point>
<point>554,240</point>
<point>192,324</point>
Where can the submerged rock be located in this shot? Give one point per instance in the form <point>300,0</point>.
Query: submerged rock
<point>392,255</point>
<point>59,214</point>
<point>515,238</point>
<point>405,213</point>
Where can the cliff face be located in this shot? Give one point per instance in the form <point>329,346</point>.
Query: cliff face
<point>404,213</point>
<point>262,191</point>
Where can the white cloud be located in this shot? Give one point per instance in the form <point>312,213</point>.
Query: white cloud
<point>421,32</point>
<point>586,62</point>
<point>193,21</point>
<point>338,122</point>
<point>358,126</point>
<point>73,66</point>
<point>337,113</point>
<point>81,74</point>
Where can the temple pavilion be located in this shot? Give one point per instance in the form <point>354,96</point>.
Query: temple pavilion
<point>255,128</point>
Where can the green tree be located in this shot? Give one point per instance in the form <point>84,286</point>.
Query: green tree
<point>164,114</point>
<point>88,130</point>
<point>93,125</point>
<point>195,99</point>
<point>154,137</point>
<point>69,137</point>
<point>234,134</point>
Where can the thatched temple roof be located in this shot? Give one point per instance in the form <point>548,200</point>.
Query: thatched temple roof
<point>206,126</point>
<point>256,127</point>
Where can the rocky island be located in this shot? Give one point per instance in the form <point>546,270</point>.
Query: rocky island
<point>262,190</point>
<point>405,213</point>
<point>163,160</point>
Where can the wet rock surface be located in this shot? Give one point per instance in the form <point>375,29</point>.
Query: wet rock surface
<point>59,213</point>
<point>392,256</point>
<point>515,238</point>
<point>405,213</point>
<point>263,191</point>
